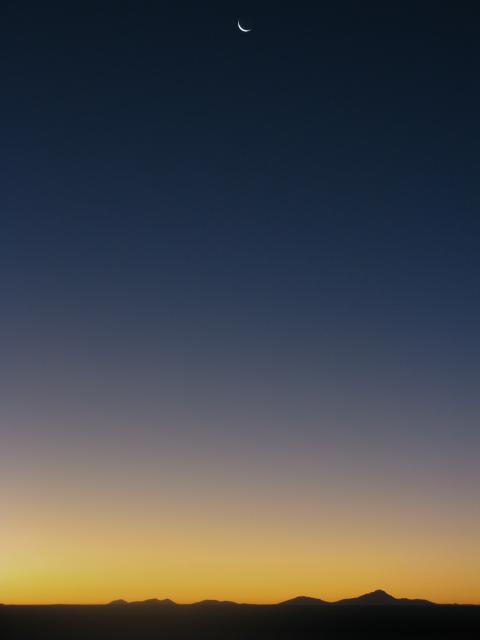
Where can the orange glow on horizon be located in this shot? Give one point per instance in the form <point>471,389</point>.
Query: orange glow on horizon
<point>95,563</point>
<point>128,532</point>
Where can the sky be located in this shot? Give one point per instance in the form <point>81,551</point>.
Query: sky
<point>239,300</point>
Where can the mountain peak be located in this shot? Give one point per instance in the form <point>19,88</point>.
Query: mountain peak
<point>150,602</point>
<point>379,598</point>
<point>303,601</point>
<point>156,602</point>
<point>379,594</point>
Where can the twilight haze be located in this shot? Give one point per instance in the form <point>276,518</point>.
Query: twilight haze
<point>239,300</point>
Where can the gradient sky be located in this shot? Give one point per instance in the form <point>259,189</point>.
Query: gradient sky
<point>239,280</point>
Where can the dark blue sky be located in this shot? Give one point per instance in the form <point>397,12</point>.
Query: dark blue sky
<point>318,175</point>
<point>244,239</point>
<point>312,182</point>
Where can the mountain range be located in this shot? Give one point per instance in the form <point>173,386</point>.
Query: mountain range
<point>375,598</point>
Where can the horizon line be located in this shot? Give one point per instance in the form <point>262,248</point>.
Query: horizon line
<point>288,600</point>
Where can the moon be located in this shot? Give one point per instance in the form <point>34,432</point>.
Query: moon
<point>241,28</point>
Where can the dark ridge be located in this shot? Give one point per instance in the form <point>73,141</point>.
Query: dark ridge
<point>302,601</point>
<point>151,602</point>
<point>415,601</point>
<point>208,603</point>
<point>380,598</point>
<point>375,598</point>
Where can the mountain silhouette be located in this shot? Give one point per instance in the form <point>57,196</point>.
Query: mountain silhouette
<point>304,601</point>
<point>375,598</point>
<point>151,602</point>
<point>380,598</point>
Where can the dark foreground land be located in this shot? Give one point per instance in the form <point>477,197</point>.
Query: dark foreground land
<point>239,622</point>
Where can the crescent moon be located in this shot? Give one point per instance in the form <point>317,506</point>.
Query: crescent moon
<point>242,29</point>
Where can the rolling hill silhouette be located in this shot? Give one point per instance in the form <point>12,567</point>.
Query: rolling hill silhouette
<point>381,598</point>
<point>151,602</point>
<point>303,601</point>
<point>374,598</point>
